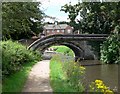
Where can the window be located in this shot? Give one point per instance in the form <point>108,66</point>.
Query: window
<point>69,31</point>
<point>48,31</point>
<point>58,30</point>
<point>63,30</point>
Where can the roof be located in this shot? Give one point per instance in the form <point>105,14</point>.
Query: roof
<point>53,26</point>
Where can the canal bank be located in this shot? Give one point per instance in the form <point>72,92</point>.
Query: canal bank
<point>108,73</point>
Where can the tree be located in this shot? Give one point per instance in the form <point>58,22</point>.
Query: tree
<point>19,18</point>
<point>96,17</point>
<point>110,49</point>
<point>72,11</point>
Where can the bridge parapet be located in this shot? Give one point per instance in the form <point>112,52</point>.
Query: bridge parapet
<point>75,37</point>
<point>72,41</point>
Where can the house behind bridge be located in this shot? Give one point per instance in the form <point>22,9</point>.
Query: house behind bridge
<point>51,29</point>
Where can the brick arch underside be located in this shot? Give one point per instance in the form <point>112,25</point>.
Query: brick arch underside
<point>78,51</point>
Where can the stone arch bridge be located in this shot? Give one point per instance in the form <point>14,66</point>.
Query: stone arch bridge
<point>78,43</point>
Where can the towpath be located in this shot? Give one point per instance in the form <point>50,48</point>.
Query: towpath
<point>38,80</point>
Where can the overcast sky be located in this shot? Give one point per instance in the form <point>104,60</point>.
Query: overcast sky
<point>52,8</point>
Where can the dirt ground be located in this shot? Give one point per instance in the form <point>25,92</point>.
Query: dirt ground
<point>38,80</point>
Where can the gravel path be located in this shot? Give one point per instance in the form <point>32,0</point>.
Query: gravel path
<point>38,80</point>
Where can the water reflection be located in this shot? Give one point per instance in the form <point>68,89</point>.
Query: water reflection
<point>107,72</point>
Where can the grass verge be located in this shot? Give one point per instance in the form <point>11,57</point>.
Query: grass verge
<point>58,80</point>
<point>66,76</point>
<point>16,81</point>
<point>63,49</point>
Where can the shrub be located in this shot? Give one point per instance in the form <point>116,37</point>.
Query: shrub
<point>14,55</point>
<point>75,74</point>
<point>110,49</point>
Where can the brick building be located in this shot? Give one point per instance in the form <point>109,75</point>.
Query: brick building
<point>51,29</point>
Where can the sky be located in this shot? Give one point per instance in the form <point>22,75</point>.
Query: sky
<point>52,8</point>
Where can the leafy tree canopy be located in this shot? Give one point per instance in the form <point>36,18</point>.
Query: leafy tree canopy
<point>21,19</point>
<point>96,17</point>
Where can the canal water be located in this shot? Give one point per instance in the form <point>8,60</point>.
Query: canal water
<point>108,73</point>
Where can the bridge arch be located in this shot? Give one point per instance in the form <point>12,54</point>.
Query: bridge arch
<point>68,40</point>
<point>78,51</point>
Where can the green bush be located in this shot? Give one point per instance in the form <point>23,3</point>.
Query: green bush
<point>75,74</point>
<point>110,50</point>
<point>14,55</point>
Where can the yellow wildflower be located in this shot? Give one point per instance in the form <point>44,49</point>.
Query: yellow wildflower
<point>102,90</point>
<point>100,87</point>
<point>75,66</point>
<point>74,63</point>
<point>108,92</point>
<point>98,81</point>
<point>105,87</point>
<point>81,72</point>
<point>73,72</point>
<point>82,68</point>
<point>93,88</point>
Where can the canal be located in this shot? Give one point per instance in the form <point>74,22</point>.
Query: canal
<point>108,73</point>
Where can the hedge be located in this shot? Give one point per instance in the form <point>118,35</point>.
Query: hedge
<point>14,55</point>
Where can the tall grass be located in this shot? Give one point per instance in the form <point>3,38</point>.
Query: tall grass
<point>65,76</point>
<point>58,80</point>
